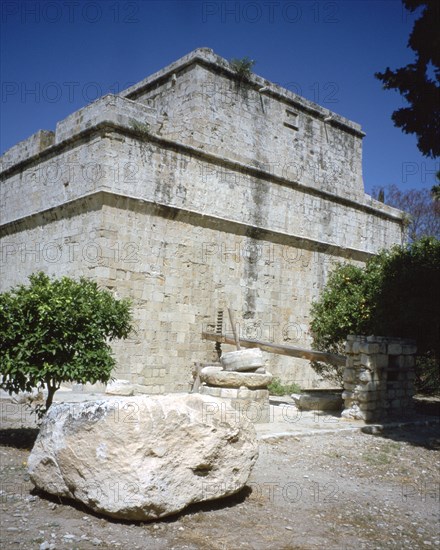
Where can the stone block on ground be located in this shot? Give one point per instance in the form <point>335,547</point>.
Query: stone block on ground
<point>318,402</point>
<point>143,458</point>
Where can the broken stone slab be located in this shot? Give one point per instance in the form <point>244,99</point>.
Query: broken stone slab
<point>318,402</point>
<point>120,387</point>
<point>234,379</point>
<point>143,458</point>
<point>242,360</point>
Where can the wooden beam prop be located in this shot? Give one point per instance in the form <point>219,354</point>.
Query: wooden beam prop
<point>234,329</point>
<point>281,349</point>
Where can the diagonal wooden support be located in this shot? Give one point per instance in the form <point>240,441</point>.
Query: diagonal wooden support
<point>281,349</point>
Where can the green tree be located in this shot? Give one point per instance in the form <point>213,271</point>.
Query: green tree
<point>395,294</point>
<point>344,307</point>
<point>58,330</point>
<point>418,82</point>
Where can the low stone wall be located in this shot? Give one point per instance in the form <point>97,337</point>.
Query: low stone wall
<point>378,378</point>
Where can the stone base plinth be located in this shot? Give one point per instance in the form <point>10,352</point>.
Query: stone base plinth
<point>247,403</point>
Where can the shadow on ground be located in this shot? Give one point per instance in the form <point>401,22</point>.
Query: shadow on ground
<point>212,505</point>
<point>20,438</point>
<point>419,436</point>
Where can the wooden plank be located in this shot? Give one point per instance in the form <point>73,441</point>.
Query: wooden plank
<point>281,349</point>
<point>234,329</point>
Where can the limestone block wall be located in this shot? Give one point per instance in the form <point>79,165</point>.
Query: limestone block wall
<point>178,199</point>
<point>201,102</point>
<point>378,378</point>
<point>179,283</point>
<point>51,169</point>
<point>65,242</point>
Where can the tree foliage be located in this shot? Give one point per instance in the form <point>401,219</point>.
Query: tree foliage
<point>395,294</point>
<point>58,330</point>
<point>419,82</point>
<point>345,307</point>
<point>419,204</point>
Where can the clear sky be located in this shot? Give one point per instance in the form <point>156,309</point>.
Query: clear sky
<point>59,55</point>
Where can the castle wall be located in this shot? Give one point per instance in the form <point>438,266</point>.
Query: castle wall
<point>177,279</point>
<point>143,194</point>
<point>272,129</point>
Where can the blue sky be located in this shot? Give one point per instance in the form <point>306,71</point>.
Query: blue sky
<point>59,55</point>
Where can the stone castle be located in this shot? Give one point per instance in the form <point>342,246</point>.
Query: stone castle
<point>195,190</point>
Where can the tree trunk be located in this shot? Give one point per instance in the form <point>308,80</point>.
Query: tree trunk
<point>51,389</point>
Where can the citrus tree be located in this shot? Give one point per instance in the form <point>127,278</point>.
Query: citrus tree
<point>58,330</point>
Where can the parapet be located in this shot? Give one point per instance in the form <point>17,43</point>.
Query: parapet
<point>110,110</point>
<point>207,57</point>
<point>27,148</point>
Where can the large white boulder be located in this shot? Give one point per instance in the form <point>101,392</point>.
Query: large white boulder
<point>143,457</point>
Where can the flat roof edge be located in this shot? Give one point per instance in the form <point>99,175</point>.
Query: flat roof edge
<point>208,57</point>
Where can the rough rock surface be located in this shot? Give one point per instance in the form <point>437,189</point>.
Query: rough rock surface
<point>319,402</point>
<point>242,360</point>
<point>143,457</point>
<point>233,379</point>
<point>120,387</point>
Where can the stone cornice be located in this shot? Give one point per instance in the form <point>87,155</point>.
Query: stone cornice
<point>106,126</point>
<point>94,202</point>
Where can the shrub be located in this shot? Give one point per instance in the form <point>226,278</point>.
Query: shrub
<point>427,374</point>
<point>242,67</point>
<point>395,294</point>
<point>277,388</point>
<point>345,307</point>
<point>57,330</point>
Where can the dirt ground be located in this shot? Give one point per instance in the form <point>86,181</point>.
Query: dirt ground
<point>342,491</point>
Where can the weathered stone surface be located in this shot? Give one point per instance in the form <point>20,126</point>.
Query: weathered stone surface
<point>349,375</point>
<point>236,393</point>
<point>253,405</point>
<point>211,370</point>
<point>377,384</point>
<point>120,387</point>
<point>394,349</point>
<point>234,379</point>
<point>143,457</point>
<point>318,402</point>
<point>108,202</point>
<point>242,360</point>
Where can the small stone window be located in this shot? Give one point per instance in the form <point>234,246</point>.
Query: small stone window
<point>292,119</point>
